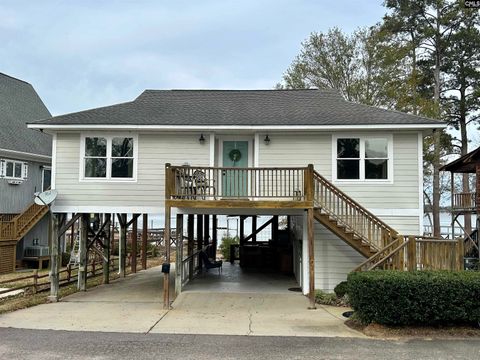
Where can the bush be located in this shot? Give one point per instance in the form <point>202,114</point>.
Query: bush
<point>225,246</point>
<point>423,297</point>
<point>324,298</point>
<point>341,289</point>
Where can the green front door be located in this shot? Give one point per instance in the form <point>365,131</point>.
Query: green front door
<point>235,182</point>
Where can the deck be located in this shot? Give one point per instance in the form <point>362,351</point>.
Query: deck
<point>239,188</point>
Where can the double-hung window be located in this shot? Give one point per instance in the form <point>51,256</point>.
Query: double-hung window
<point>363,158</point>
<point>109,157</point>
<point>13,170</point>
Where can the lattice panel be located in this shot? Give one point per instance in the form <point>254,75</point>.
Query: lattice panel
<point>7,258</point>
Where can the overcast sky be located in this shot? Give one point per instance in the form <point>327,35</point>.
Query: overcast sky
<point>84,53</point>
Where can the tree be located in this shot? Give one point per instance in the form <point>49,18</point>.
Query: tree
<point>348,63</point>
<point>433,22</point>
<point>462,84</point>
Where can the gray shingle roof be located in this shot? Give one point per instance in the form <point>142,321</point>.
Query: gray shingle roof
<point>19,104</point>
<point>239,107</point>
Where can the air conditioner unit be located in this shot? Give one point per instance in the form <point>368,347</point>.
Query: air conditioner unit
<point>36,251</point>
<point>14,182</point>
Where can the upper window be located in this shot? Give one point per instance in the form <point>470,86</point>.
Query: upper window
<point>363,158</point>
<point>107,157</point>
<point>11,169</point>
<point>46,178</point>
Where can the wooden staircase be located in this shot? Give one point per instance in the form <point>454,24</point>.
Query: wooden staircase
<point>349,220</point>
<point>20,225</point>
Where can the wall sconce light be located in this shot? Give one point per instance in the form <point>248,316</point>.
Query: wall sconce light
<point>266,140</point>
<point>201,139</point>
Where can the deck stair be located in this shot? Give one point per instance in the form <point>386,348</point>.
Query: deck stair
<point>347,219</point>
<point>304,188</point>
<point>20,225</point>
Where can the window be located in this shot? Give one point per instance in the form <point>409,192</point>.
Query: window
<point>109,157</point>
<point>363,158</point>
<point>12,169</point>
<point>46,178</point>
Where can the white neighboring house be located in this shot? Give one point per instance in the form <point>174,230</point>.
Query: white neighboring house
<point>112,159</point>
<point>25,159</point>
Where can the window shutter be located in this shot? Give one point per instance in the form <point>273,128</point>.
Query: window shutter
<point>3,168</point>
<point>25,171</point>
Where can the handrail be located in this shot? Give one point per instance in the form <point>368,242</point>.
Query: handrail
<point>14,228</point>
<point>330,199</point>
<point>379,253</point>
<point>212,183</point>
<point>335,189</point>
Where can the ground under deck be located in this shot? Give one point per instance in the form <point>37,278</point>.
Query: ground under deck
<point>133,304</point>
<point>235,279</point>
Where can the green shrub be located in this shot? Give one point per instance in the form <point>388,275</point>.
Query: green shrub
<point>324,298</point>
<point>225,246</point>
<point>422,297</point>
<point>341,289</point>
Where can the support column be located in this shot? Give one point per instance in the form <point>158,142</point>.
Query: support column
<point>144,241</point>
<point>199,239</point>
<point>82,266</point>
<point>191,243</point>
<point>275,227</point>
<point>311,258</point>
<point>112,235</point>
<point>106,249</point>
<point>122,245</point>
<point>54,258</point>
<point>242,230</point>
<point>134,245</point>
<point>254,228</point>
<point>206,229</point>
<point>214,236</point>
<point>179,255</point>
<point>166,274</point>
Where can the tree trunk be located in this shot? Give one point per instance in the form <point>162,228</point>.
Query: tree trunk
<point>437,133</point>
<point>463,151</point>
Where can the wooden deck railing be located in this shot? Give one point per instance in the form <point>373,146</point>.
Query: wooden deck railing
<point>464,200</point>
<point>16,228</point>
<point>417,253</point>
<point>212,183</point>
<point>351,214</point>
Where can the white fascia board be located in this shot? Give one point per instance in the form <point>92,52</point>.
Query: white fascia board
<point>237,127</point>
<point>25,155</point>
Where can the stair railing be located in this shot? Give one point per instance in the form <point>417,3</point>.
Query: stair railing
<point>346,211</point>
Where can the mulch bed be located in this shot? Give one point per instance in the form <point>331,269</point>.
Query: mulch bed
<point>429,332</point>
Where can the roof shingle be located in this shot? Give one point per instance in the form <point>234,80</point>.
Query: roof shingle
<point>238,107</point>
<point>19,104</point>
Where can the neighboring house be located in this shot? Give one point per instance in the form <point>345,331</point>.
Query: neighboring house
<point>25,160</point>
<point>113,160</point>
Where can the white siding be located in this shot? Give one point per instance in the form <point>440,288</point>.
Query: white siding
<point>334,259</point>
<point>154,150</point>
<point>316,148</point>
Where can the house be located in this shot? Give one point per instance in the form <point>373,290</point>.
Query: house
<point>466,204</point>
<point>25,160</point>
<point>348,176</point>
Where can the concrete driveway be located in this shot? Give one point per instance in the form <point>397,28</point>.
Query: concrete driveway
<point>134,304</point>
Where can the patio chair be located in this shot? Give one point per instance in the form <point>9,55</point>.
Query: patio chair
<point>203,185</point>
<point>209,264</point>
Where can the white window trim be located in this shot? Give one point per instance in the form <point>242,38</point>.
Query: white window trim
<point>362,138</point>
<point>22,172</point>
<point>109,138</point>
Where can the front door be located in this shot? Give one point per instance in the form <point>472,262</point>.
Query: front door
<point>235,182</point>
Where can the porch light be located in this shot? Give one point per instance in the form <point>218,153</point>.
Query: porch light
<point>266,140</point>
<point>201,139</point>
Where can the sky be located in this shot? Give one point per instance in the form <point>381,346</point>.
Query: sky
<point>83,54</point>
